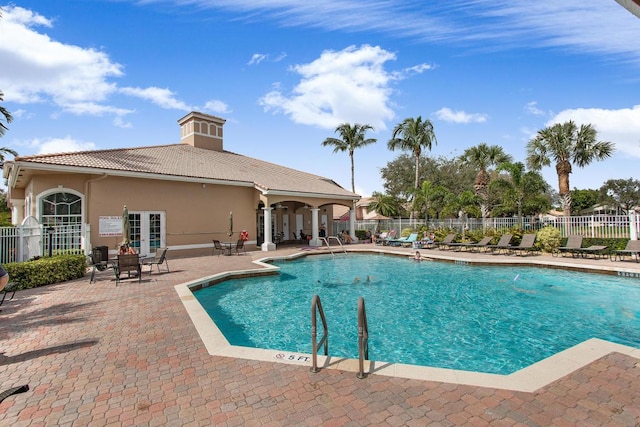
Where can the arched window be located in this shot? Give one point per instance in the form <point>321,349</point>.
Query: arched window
<point>61,210</point>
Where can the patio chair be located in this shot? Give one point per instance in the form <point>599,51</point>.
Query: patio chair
<point>446,242</point>
<point>11,287</point>
<point>98,263</point>
<point>502,245</point>
<point>574,242</point>
<point>473,246</point>
<point>632,249</point>
<point>240,247</point>
<point>159,259</point>
<point>403,240</point>
<point>126,264</point>
<point>217,247</point>
<point>527,245</point>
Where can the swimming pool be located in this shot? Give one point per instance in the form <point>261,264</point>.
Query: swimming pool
<point>485,319</point>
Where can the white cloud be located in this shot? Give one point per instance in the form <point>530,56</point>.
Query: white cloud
<point>621,127</point>
<point>448,115</point>
<point>350,85</point>
<point>216,106</point>
<point>257,58</point>
<point>532,108</point>
<point>58,145</point>
<point>591,26</point>
<point>163,98</point>
<point>38,69</point>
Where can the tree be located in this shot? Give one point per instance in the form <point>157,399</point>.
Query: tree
<point>384,204</point>
<point>482,157</point>
<point>622,193</point>
<point>413,135</point>
<point>583,199</point>
<point>352,139</point>
<point>522,192</point>
<point>566,144</point>
<point>3,128</point>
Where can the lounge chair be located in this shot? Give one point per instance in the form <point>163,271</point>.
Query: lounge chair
<point>404,240</point>
<point>632,249</point>
<point>595,250</point>
<point>446,242</point>
<point>527,244</point>
<point>159,259</point>
<point>385,239</point>
<point>502,245</point>
<point>126,264</point>
<point>479,245</point>
<point>574,242</point>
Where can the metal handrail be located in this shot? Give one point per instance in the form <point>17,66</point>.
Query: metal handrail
<point>316,307</point>
<point>363,338</point>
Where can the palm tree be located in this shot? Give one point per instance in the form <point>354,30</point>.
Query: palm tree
<point>566,144</point>
<point>482,157</point>
<point>413,135</point>
<point>520,186</point>
<point>352,138</point>
<point>7,116</point>
<point>383,204</point>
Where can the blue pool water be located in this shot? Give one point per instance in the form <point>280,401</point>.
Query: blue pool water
<point>484,319</point>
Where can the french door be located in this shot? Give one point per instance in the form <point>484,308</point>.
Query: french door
<point>148,231</point>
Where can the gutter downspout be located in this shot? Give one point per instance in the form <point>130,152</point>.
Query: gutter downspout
<point>87,236</point>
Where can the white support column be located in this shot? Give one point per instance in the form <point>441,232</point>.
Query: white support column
<point>352,225</point>
<point>315,241</point>
<point>633,225</point>
<point>268,243</point>
<point>17,211</point>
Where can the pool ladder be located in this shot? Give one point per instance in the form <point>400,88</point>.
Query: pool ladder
<point>363,335</point>
<point>326,241</point>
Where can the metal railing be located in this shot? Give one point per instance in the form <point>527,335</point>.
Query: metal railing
<point>316,308</point>
<point>22,243</point>
<point>363,338</point>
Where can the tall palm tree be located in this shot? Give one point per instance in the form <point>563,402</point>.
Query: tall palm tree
<point>352,138</point>
<point>482,157</point>
<point>566,144</point>
<point>413,135</point>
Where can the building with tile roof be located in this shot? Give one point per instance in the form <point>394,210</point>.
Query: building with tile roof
<point>178,195</point>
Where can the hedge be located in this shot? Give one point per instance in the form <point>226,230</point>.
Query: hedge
<point>46,271</point>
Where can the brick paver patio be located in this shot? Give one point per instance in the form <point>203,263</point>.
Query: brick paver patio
<point>98,355</point>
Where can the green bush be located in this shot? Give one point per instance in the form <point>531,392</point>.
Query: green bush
<point>548,239</point>
<point>46,271</point>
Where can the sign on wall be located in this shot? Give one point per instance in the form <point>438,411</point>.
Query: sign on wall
<point>110,226</point>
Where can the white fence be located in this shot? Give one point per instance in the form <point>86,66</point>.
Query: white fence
<point>596,226</point>
<point>25,242</point>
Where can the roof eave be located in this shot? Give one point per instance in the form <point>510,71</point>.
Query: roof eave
<point>128,174</point>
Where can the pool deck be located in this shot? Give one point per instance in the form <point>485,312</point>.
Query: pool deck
<point>97,354</point>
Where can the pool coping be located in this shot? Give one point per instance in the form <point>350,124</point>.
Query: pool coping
<point>528,379</point>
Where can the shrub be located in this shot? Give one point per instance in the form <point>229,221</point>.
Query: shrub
<point>46,271</point>
<point>548,239</point>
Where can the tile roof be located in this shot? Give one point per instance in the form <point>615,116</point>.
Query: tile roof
<point>186,161</point>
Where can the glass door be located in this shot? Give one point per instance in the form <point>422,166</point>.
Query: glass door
<point>147,231</point>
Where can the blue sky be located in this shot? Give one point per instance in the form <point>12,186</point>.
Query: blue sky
<point>99,74</point>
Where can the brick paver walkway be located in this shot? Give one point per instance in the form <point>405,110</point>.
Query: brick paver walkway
<point>102,355</point>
